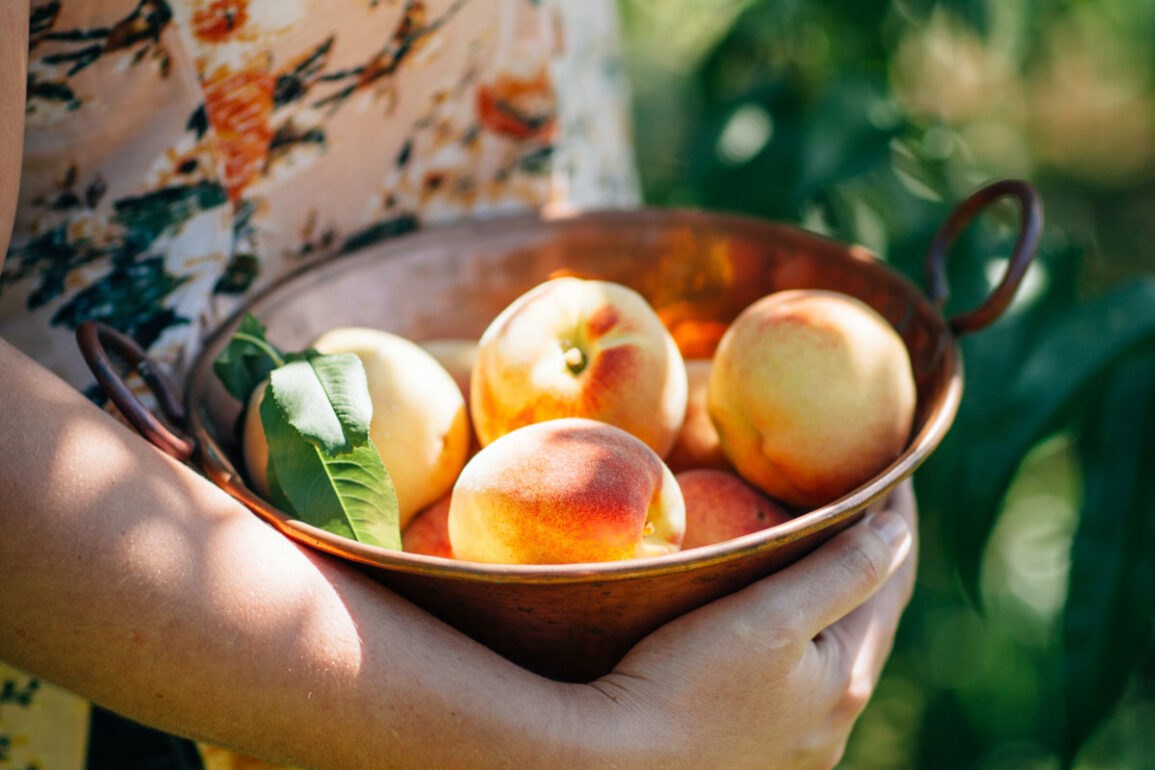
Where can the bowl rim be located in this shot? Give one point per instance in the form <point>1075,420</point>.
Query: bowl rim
<point>843,510</point>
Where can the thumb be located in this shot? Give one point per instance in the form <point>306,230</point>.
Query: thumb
<point>826,585</point>
<point>842,574</point>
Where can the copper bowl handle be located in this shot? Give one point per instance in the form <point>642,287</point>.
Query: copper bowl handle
<point>1030,226</point>
<point>93,337</point>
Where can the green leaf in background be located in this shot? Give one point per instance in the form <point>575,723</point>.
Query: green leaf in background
<point>1065,360</point>
<point>247,360</point>
<point>349,493</point>
<point>325,399</point>
<point>1111,595</point>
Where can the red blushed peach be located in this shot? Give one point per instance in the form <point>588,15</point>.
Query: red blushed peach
<point>428,532</point>
<point>577,348</point>
<point>564,491</point>
<point>721,506</point>
<point>812,394</point>
<point>697,445</point>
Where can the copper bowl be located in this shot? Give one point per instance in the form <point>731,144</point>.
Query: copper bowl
<point>699,270</point>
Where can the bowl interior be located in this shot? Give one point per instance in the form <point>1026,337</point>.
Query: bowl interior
<point>698,271</point>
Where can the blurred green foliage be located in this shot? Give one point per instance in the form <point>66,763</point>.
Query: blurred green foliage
<point>1028,643</point>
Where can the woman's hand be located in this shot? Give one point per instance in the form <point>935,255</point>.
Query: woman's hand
<point>775,675</point>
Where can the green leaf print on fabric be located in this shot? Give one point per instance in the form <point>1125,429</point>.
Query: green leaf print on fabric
<point>239,274</point>
<point>146,217</point>
<point>131,295</point>
<point>293,85</point>
<point>411,30</point>
<point>41,19</point>
<point>143,26</point>
<point>288,135</point>
<point>50,257</point>
<point>244,266</point>
<point>19,693</point>
<point>50,91</point>
<point>130,298</point>
<point>198,122</point>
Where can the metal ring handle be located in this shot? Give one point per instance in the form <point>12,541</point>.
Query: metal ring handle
<point>1030,227</point>
<point>93,337</point>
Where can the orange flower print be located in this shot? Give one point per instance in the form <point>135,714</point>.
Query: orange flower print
<point>239,106</point>
<point>522,108</point>
<point>220,20</point>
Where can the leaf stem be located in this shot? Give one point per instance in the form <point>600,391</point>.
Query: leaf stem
<point>269,350</point>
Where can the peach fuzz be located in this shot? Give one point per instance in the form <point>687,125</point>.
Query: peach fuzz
<point>720,506</point>
<point>428,532</point>
<point>579,348</point>
<point>697,445</point>
<point>564,491</point>
<point>812,394</point>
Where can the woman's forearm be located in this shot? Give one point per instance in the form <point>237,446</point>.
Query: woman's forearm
<point>133,581</point>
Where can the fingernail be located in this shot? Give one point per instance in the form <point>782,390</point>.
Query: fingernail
<point>890,526</point>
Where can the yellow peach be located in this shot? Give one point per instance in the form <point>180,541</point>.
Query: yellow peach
<point>812,394</point>
<point>564,491</point>
<point>457,356</point>
<point>579,348</point>
<point>254,447</point>
<point>420,426</point>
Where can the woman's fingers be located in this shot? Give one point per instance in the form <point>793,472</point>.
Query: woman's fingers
<point>791,607</point>
<point>854,650</point>
<point>744,679</point>
<point>842,574</point>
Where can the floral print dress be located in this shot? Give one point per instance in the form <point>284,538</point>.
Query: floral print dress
<point>181,154</point>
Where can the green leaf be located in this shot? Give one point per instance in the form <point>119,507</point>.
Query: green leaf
<point>1111,590</point>
<point>247,360</point>
<point>1036,400</point>
<point>349,494</point>
<point>276,494</point>
<point>326,399</point>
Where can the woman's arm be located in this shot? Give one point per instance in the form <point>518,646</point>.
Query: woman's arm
<point>13,81</point>
<point>133,581</point>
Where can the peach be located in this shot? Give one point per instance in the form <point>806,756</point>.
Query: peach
<point>579,348</point>
<point>721,506</point>
<point>419,427</point>
<point>563,491</point>
<point>254,447</point>
<point>457,356</point>
<point>812,394</point>
<point>697,445</point>
<point>428,532</point>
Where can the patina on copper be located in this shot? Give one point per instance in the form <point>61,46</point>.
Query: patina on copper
<point>698,270</point>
